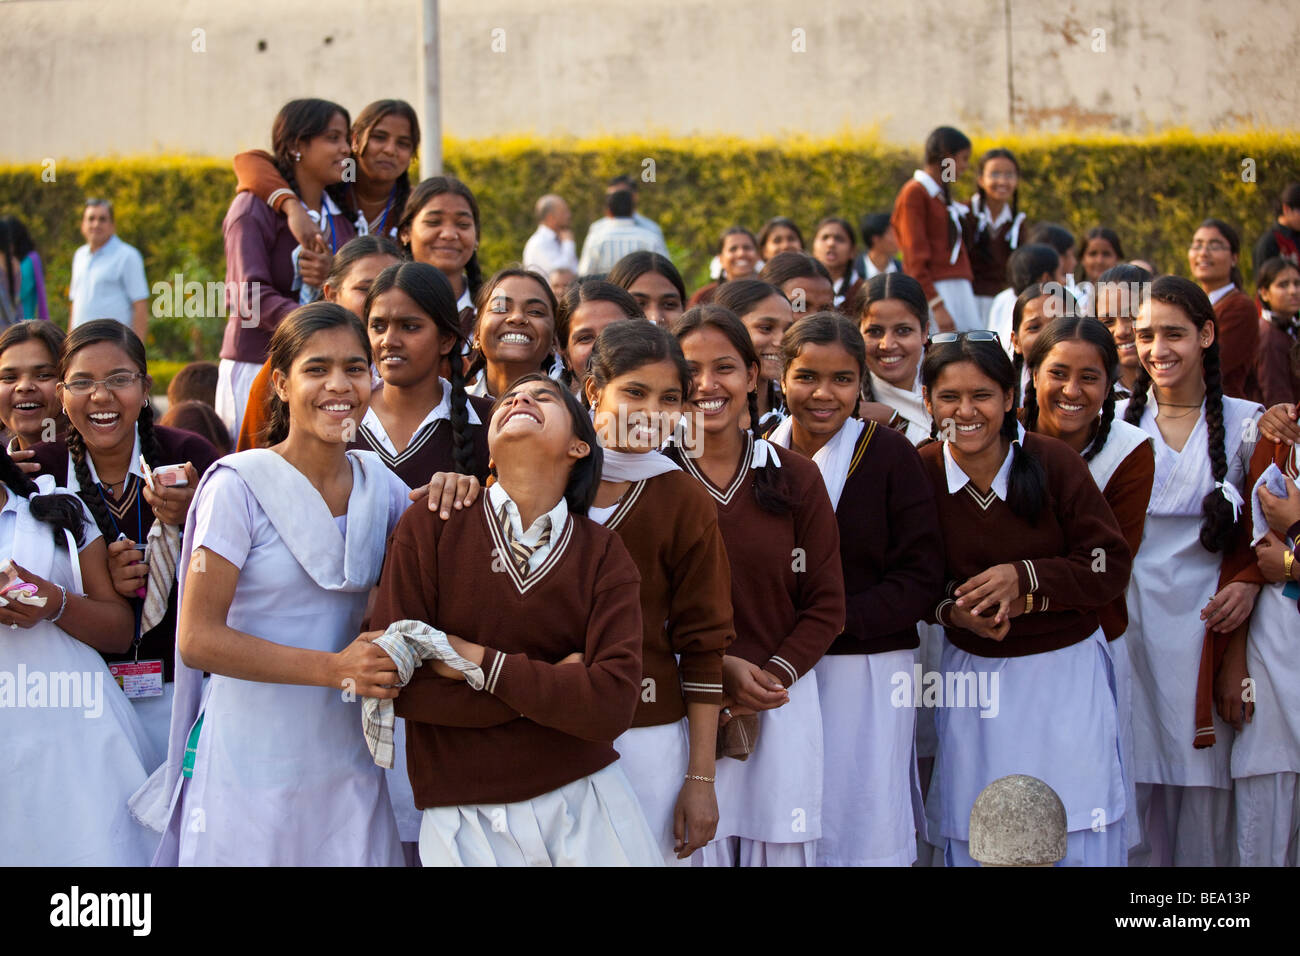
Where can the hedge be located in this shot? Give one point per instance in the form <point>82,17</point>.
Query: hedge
<point>1152,190</point>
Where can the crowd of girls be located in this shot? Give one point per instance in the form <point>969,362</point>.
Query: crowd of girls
<point>781,574</point>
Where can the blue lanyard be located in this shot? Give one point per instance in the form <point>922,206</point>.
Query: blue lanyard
<point>383,221</point>
<point>334,243</point>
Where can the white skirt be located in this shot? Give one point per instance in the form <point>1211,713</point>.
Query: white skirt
<point>409,817</point>
<point>1124,709</point>
<point>234,382</point>
<point>871,797</point>
<point>654,760</point>
<point>959,299</point>
<point>775,796</point>
<point>1055,719</point>
<point>155,715</point>
<point>594,821</point>
<point>1270,743</point>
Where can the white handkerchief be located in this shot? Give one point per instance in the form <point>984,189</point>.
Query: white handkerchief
<point>1275,482</point>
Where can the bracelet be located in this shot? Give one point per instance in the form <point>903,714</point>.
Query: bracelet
<point>1029,603</point>
<point>1288,564</point>
<point>696,776</point>
<point>63,604</point>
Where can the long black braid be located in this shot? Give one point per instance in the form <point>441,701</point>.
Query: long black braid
<point>60,512</point>
<point>770,489</point>
<point>98,508</point>
<point>462,444</point>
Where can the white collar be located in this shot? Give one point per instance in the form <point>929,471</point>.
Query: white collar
<point>440,412</point>
<point>544,230</point>
<point>466,301</point>
<point>134,468</point>
<point>958,479</point>
<point>926,180</point>
<point>1219,293</point>
<point>555,518</point>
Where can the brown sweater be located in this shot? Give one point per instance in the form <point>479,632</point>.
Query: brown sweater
<point>1128,493</point>
<point>1276,376</point>
<point>670,528</point>
<point>786,587</point>
<point>1237,330</point>
<point>921,222</point>
<point>989,252</point>
<point>536,725</point>
<point>1058,559</point>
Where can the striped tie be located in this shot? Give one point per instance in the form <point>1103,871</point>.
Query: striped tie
<point>520,551</point>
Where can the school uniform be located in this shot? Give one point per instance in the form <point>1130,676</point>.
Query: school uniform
<point>669,525</point>
<point>911,416</point>
<point>1181,745</point>
<point>309,793</point>
<point>941,265</point>
<point>787,594</point>
<point>521,771</point>
<point>844,290</point>
<point>1052,713</point>
<point>1276,376</point>
<point>67,778</point>
<point>889,550</point>
<point>1266,752</point>
<point>990,241</point>
<point>131,515</point>
<point>1236,328</point>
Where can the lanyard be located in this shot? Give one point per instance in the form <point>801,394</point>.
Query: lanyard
<point>136,606</point>
<point>383,221</point>
<point>334,242</point>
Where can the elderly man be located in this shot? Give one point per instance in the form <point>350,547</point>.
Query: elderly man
<point>551,247</point>
<point>618,233</point>
<point>108,280</point>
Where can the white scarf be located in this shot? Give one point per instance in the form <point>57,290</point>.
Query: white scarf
<point>634,466</point>
<point>907,402</point>
<point>833,458</point>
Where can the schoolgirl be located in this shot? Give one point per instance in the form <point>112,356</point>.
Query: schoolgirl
<point>928,222</point>
<point>654,282</point>
<point>384,139</point>
<point>1213,260</point>
<point>104,385</point>
<point>1276,377</point>
<point>737,259</point>
<point>835,247</point>
<point>1073,367</point>
<point>306,519</point>
<point>1180,609</point>
<point>1282,237</point>
<point>766,314</point>
<point>587,307</point>
<point>1031,263</point>
<point>890,552</point>
<point>1118,297</point>
<point>419,423</point>
<point>772,506</point>
<point>1032,553</point>
<point>802,280</point>
<point>1034,308</point>
<point>515,331</point>
<point>310,143</point>
<point>778,235</point>
<point>440,227</point>
<point>535,609</point>
<point>893,317</point>
<point>68,778</point>
<point>1099,250</point>
<point>993,226</point>
<point>637,387</point>
<point>29,374</point>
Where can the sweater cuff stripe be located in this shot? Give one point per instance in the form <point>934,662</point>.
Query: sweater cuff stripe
<point>494,672</point>
<point>1033,575</point>
<point>691,687</point>
<point>786,666</point>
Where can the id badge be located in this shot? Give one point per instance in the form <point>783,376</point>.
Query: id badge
<point>138,679</point>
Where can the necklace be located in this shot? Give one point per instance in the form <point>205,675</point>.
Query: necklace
<point>1161,413</point>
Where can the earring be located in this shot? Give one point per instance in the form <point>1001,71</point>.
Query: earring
<point>297,157</point>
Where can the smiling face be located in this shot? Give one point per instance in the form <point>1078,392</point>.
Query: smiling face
<point>442,234</point>
<point>1169,345</point>
<point>895,341</point>
<point>821,390</point>
<point>586,323</point>
<point>405,340</point>
<point>637,410</point>
<point>532,422</point>
<point>388,150</point>
<point>1114,309</point>
<point>516,326</point>
<point>96,225</point>
<point>972,403</point>
<point>658,298</point>
<point>999,179</point>
<point>1071,388</point>
<point>1283,293</point>
<point>323,155</point>
<point>832,247</point>
<point>351,293</point>
<point>105,418</point>
<point>1038,312</point>
<point>327,388</point>
<point>815,292</point>
<point>28,389</point>
<point>721,381</point>
<point>1098,256</point>
<point>767,322</point>
<point>1210,258</point>
<point>781,239</point>
<point>738,256</point>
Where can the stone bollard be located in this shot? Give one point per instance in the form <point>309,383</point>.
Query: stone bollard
<point>1018,820</point>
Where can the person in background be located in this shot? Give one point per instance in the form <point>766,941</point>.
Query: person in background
<point>29,396</point>
<point>1031,263</point>
<point>835,247</point>
<point>618,234</point>
<point>778,235</point>
<point>802,280</point>
<point>993,227</point>
<point>1099,250</point>
<point>1282,238</point>
<point>561,279</point>
<point>1213,260</point>
<point>1060,239</point>
<point>108,280</point>
<point>738,259</point>
<point>199,418</point>
<point>1276,378</point>
<point>879,246</point>
<point>583,313</point>
<point>551,247</point>
<point>1118,299</point>
<point>28,293</point>
<point>195,382</point>
<point>655,283</point>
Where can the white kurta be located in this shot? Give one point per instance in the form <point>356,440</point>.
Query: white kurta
<point>655,760</point>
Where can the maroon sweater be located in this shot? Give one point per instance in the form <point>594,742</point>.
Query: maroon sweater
<point>433,448</point>
<point>536,725</point>
<point>1058,559</point>
<point>786,587</point>
<point>921,222</point>
<point>1236,323</point>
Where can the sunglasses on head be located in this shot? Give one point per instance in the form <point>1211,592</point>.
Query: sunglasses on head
<point>976,335</point>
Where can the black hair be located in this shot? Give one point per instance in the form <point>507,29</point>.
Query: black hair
<point>584,477</point>
<point>197,380</point>
<point>300,120</point>
<point>1029,294</point>
<point>636,264</point>
<point>624,346</point>
<point>988,157</point>
<point>770,488</point>
<point>619,203</point>
<point>1081,329</point>
<point>889,285</point>
<point>290,338</point>
<point>354,250</point>
<point>1134,278</point>
<point>1030,263</point>
<point>592,290</point>
<point>1216,512</point>
<point>62,512</point>
<point>1234,246</point>
<point>872,226</point>
<point>1109,236</point>
<point>1027,484</point>
<point>429,289</point>
<point>1290,196</point>
<point>850,267</point>
<point>47,333</point>
<point>121,335</point>
<point>825,328</point>
<point>1265,276</point>
<point>367,120</point>
<point>484,297</point>
<point>793,265</point>
<point>199,417</point>
<point>777,222</point>
<point>1050,234</point>
<point>9,259</point>
<point>421,196</point>
<point>22,239</point>
<point>740,297</point>
<point>622,182</point>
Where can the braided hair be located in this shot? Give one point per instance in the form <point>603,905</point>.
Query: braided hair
<point>945,142</point>
<point>1216,512</point>
<point>60,512</point>
<point>429,289</point>
<point>770,488</point>
<point>984,160</point>
<point>420,197</point>
<point>120,335</point>
<point>1080,329</point>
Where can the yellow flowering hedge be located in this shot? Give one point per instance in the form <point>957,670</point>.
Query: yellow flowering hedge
<point>1152,190</point>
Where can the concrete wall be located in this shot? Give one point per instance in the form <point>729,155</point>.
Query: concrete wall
<point>124,76</point>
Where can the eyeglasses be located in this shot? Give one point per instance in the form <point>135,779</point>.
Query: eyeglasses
<point>1213,246</point>
<point>975,335</point>
<point>115,383</point>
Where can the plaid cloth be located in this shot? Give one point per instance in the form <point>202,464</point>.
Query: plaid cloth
<point>162,549</point>
<point>409,644</point>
